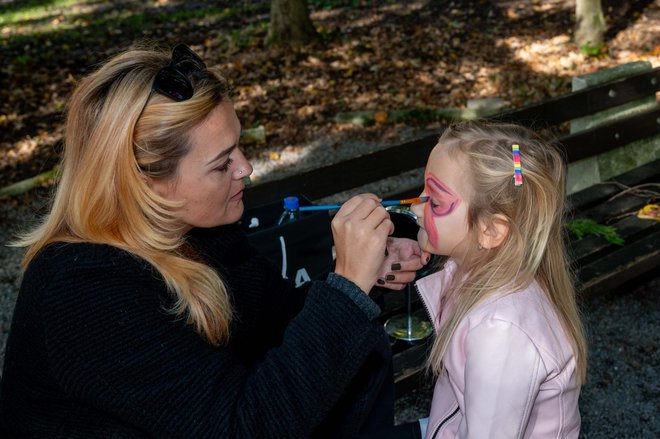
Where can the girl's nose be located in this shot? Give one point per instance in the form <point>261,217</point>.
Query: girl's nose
<point>418,209</point>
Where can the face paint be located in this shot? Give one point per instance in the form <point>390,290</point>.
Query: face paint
<point>442,202</point>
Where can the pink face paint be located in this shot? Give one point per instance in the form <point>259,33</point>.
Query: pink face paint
<point>442,203</point>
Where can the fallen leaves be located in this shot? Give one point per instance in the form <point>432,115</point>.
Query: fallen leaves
<point>383,58</point>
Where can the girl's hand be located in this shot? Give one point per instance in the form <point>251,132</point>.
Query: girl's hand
<point>399,268</point>
<point>360,230</point>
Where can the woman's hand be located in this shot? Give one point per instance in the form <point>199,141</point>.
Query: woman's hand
<point>360,230</point>
<point>404,258</point>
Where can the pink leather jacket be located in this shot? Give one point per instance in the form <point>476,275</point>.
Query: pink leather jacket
<point>510,370</point>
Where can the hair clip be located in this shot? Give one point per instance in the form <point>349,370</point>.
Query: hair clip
<point>517,168</point>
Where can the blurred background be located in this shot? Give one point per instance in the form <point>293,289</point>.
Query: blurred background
<point>300,79</point>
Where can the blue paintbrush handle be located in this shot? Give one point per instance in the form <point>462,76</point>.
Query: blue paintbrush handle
<point>321,207</point>
<point>384,203</point>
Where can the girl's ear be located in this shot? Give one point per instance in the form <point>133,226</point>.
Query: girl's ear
<point>493,233</point>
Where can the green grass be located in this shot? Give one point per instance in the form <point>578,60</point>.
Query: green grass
<point>36,17</point>
<point>32,10</point>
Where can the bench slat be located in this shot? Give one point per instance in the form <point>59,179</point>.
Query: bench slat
<point>600,192</point>
<point>586,101</point>
<point>345,175</point>
<point>606,211</point>
<point>586,250</point>
<point>594,141</point>
<point>620,266</point>
<point>321,182</point>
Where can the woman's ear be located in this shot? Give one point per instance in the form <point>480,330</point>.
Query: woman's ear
<point>493,233</point>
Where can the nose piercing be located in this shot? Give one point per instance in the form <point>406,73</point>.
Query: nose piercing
<point>240,172</point>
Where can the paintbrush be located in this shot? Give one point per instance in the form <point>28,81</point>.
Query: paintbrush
<point>384,203</point>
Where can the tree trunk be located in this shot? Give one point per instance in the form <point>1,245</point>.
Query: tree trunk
<point>589,23</point>
<point>290,23</point>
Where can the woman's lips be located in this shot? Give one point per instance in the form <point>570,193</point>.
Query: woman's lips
<point>238,196</point>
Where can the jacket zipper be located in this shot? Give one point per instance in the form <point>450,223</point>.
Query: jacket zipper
<point>421,299</point>
<point>452,414</point>
<point>444,421</point>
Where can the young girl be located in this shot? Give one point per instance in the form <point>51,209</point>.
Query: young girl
<point>510,350</point>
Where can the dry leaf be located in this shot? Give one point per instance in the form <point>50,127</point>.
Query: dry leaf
<point>380,116</point>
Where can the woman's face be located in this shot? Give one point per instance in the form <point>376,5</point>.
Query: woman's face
<point>443,218</point>
<point>208,180</point>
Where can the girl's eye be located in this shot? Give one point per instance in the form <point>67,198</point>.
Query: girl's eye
<point>225,166</point>
<point>444,207</point>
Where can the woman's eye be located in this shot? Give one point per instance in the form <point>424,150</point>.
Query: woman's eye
<point>225,166</point>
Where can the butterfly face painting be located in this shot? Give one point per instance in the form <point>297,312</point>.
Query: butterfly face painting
<point>442,202</point>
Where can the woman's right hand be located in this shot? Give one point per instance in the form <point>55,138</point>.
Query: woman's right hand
<point>360,230</point>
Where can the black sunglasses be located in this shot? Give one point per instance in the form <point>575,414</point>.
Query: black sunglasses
<point>172,80</point>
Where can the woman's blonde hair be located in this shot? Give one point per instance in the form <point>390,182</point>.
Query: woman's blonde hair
<point>118,135</point>
<point>534,247</point>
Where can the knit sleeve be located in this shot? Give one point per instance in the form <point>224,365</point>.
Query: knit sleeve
<point>112,344</point>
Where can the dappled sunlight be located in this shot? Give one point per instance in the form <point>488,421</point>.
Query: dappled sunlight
<point>35,21</point>
<point>377,14</point>
<point>514,9</point>
<point>289,157</point>
<point>533,52</point>
<point>426,78</point>
<point>367,97</point>
<point>560,56</point>
<point>27,148</point>
<point>254,91</point>
<point>377,56</point>
<point>342,143</point>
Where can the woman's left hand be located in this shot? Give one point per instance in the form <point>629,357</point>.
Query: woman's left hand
<point>404,258</point>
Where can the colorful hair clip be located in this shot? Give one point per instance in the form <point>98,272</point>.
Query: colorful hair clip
<point>517,168</point>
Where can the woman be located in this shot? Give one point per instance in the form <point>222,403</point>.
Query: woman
<point>144,312</point>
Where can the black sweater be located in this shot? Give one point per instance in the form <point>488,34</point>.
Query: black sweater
<point>93,351</point>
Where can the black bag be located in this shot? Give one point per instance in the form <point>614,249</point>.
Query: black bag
<point>301,249</point>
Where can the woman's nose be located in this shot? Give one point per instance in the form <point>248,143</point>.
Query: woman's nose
<point>243,166</point>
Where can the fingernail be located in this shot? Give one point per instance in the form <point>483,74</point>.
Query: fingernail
<point>380,282</point>
<point>396,266</point>
<point>390,277</point>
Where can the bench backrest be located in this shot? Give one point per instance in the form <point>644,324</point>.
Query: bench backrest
<point>395,160</point>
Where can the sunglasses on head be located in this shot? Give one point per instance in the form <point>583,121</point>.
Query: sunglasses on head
<point>172,80</point>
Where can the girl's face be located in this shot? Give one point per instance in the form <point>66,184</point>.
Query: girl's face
<point>209,178</point>
<point>443,218</point>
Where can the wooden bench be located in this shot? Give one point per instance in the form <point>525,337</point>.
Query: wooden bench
<point>600,265</point>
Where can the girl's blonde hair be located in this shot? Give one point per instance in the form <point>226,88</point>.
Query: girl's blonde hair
<point>118,135</point>
<point>534,247</point>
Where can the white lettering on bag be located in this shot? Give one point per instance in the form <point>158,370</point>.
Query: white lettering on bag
<point>283,247</point>
<point>301,275</point>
